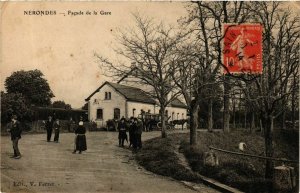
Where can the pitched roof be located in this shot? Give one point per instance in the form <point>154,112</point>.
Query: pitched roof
<point>136,95</point>
<point>133,94</point>
<point>177,103</point>
<point>130,93</point>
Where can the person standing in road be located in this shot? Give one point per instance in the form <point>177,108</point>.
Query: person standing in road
<point>56,127</point>
<point>15,132</point>
<point>122,132</point>
<point>138,133</point>
<point>49,126</point>
<point>132,129</point>
<point>80,139</point>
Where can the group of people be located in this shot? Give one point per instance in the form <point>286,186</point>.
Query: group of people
<point>135,129</point>
<point>80,139</point>
<point>50,125</point>
<point>15,130</point>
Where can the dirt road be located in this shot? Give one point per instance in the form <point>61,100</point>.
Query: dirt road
<point>104,167</point>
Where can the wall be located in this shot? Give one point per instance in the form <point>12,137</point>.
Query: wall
<point>119,101</point>
<point>181,112</point>
<point>154,109</point>
<point>138,107</point>
<point>98,101</point>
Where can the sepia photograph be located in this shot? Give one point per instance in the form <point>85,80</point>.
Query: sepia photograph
<point>149,96</point>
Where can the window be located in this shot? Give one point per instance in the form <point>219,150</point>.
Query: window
<point>107,96</point>
<point>117,113</point>
<point>100,114</point>
<point>182,115</point>
<point>133,110</point>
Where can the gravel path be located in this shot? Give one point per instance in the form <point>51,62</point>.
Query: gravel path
<point>104,167</point>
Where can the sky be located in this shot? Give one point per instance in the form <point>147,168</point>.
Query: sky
<point>62,46</point>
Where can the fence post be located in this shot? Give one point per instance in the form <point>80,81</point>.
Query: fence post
<point>284,178</point>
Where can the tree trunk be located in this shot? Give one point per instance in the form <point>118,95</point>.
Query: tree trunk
<point>245,118</point>
<point>194,109</point>
<point>283,126</point>
<point>261,126</point>
<point>252,121</point>
<point>293,108</point>
<point>163,124</point>
<point>233,124</point>
<point>210,116</point>
<point>226,112</point>
<point>268,132</point>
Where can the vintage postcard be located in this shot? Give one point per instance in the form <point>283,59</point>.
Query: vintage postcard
<point>149,96</point>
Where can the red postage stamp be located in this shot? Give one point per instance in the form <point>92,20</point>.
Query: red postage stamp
<point>242,48</point>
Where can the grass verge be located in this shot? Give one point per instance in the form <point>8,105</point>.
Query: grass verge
<point>247,174</point>
<point>158,156</point>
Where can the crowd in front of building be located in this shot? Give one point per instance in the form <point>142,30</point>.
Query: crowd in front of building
<point>134,127</point>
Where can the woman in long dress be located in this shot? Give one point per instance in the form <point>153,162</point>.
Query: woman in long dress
<point>80,140</point>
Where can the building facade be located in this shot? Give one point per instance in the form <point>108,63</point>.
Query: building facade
<point>114,101</point>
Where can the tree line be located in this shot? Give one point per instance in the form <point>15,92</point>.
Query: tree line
<point>187,61</point>
<point>24,91</point>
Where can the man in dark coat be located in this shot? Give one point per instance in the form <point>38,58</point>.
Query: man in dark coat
<point>49,126</point>
<point>15,132</point>
<point>122,132</point>
<point>138,133</point>
<point>132,129</point>
<point>80,140</point>
<point>132,133</point>
<point>56,127</point>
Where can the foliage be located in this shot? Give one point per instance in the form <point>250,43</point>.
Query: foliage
<point>42,113</point>
<point>241,172</point>
<point>216,106</point>
<point>158,156</point>
<point>31,84</point>
<point>246,174</point>
<point>61,104</point>
<point>14,103</point>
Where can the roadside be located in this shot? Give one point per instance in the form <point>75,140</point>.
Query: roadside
<point>173,157</point>
<point>104,167</point>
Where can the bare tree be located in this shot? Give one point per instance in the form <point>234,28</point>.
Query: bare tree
<point>150,47</point>
<point>205,20</point>
<point>280,61</point>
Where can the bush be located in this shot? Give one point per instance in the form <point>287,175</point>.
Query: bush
<point>246,174</point>
<point>158,156</point>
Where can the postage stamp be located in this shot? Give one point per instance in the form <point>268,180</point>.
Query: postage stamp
<point>242,48</point>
